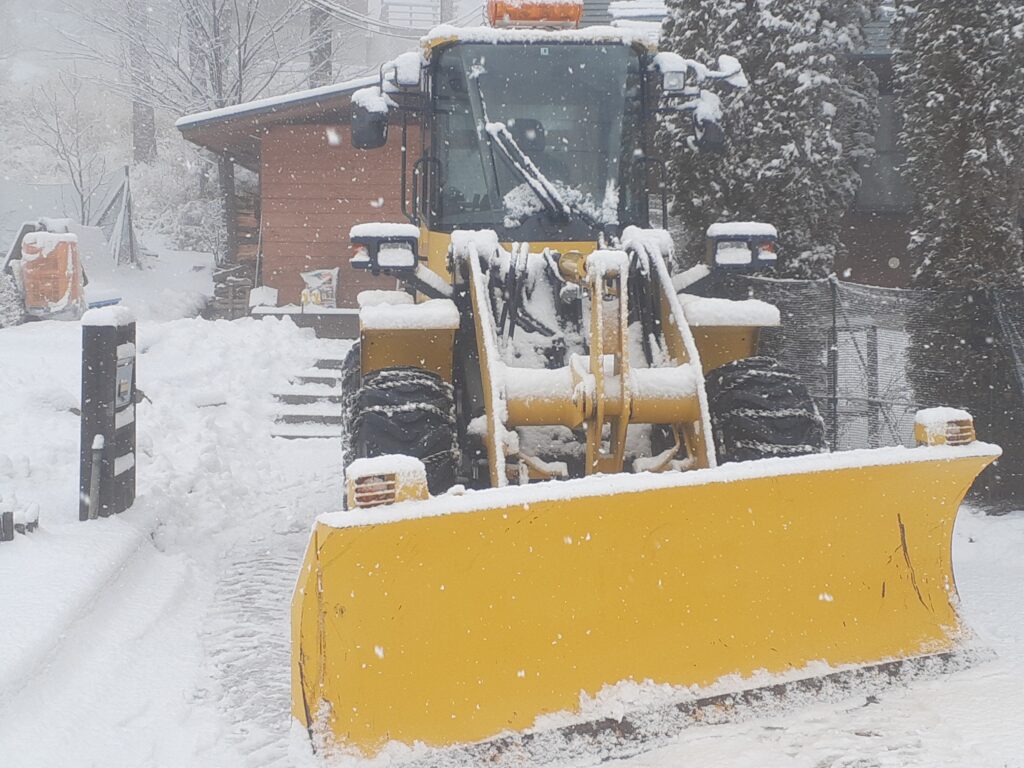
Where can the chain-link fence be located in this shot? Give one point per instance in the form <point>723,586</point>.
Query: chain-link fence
<point>872,357</point>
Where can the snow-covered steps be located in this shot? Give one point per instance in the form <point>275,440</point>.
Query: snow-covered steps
<point>330,363</point>
<point>308,413</point>
<point>318,375</point>
<point>308,393</point>
<point>308,430</point>
<point>311,406</point>
<point>329,411</point>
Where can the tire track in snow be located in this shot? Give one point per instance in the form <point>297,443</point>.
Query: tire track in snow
<point>246,631</point>
<point>248,644</point>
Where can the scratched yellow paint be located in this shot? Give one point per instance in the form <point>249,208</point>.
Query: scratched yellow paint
<point>454,628</point>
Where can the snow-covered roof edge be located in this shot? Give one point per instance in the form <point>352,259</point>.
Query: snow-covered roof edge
<point>275,103</point>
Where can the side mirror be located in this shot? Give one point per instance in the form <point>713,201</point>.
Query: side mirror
<point>407,68</point>
<point>369,118</point>
<point>369,129</point>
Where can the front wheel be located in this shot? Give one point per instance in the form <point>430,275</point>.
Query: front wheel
<point>760,410</point>
<point>408,411</point>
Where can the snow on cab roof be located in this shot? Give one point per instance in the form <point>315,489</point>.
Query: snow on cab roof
<point>446,33</point>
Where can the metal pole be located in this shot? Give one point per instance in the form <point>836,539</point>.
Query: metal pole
<point>94,476</point>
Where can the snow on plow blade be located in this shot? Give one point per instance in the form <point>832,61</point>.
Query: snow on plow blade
<point>455,619</point>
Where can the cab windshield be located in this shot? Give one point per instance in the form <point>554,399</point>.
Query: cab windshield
<point>537,141</point>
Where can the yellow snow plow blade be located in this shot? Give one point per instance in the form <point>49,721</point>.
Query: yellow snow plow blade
<point>453,619</point>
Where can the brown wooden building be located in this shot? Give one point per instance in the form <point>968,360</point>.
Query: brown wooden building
<point>313,186</point>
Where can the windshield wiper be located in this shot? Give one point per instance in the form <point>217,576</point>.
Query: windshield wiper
<point>521,163</point>
<point>498,135</point>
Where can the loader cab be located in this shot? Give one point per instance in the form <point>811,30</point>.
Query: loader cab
<point>539,141</point>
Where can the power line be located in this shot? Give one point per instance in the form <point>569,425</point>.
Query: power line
<point>378,26</point>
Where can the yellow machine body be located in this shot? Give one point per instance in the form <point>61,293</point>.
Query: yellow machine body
<point>452,620</point>
<point>430,349</point>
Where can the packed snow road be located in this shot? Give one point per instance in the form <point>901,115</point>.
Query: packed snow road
<point>160,638</point>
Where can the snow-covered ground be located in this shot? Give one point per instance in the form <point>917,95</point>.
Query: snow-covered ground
<point>160,638</point>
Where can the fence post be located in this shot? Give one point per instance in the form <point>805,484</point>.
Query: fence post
<point>874,405</point>
<point>106,481</point>
<point>833,361</point>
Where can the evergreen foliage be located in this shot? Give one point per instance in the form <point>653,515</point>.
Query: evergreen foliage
<point>959,79</point>
<point>11,308</point>
<point>794,136</point>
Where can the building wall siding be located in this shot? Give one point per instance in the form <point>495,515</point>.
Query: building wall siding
<point>312,194</point>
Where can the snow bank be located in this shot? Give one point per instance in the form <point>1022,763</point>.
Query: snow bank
<point>50,578</point>
<point>168,286</point>
<point>434,314</point>
<point>706,312</point>
<point>198,467</point>
<point>116,316</point>
<point>262,295</point>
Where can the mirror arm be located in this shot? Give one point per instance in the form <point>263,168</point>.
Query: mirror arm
<point>403,175</point>
<point>662,167</point>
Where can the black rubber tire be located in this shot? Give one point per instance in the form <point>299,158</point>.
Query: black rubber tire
<point>760,410</point>
<point>407,411</point>
<point>351,374</point>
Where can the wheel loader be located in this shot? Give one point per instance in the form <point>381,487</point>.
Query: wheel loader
<point>563,474</point>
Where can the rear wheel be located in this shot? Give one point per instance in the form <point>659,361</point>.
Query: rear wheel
<point>406,411</point>
<point>350,376</point>
<point>760,410</point>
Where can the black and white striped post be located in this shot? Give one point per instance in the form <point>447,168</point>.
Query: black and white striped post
<point>107,456</point>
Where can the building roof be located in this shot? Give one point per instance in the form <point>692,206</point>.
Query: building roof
<point>236,130</point>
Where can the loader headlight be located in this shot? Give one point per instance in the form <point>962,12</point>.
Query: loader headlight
<point>673,82</point>
<point>389,248</point>
<point>396,256</point>
<point>730,253</point>
<point>745,246</point>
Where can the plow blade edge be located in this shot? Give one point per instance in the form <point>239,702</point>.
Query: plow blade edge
<point>454,619</point>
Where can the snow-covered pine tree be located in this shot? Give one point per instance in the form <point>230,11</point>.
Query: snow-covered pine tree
<point>11,310</point>
<point>959,80</point>
<point>794,136</point>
